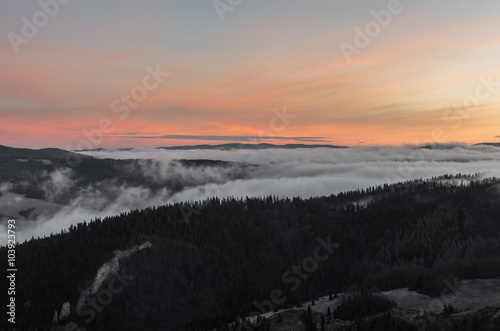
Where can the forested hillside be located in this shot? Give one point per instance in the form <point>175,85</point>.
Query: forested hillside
<point>208,263</point>
<point>33,173</point>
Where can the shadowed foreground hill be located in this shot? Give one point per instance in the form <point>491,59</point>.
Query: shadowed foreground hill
<point>210,262</point>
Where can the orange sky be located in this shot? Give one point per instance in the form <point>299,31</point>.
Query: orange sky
<point>423,78</point>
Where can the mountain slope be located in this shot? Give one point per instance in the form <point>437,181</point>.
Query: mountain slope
<point>489,144</point>
<point>212,262</point>
<point>26,153</point>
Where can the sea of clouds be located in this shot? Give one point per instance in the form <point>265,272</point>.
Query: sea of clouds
<point>279,172</point>
<point>317,172</point>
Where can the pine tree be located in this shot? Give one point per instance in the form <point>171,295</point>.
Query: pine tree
<point>309,319</point>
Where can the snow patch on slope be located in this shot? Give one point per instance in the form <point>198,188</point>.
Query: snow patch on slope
<point>107,269</point>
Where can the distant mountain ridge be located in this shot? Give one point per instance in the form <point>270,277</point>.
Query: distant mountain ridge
<point>56,153</point>
<point>488,144</point>
<point>262,146</point>
<point>26,153</point>
<point>224,147</point>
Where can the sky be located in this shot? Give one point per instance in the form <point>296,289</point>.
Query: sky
<point>119,73</point>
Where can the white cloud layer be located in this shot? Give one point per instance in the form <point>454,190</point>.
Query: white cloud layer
<point>284,173</point>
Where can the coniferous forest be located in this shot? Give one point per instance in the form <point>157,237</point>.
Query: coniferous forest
<point>212,262</point>
<point>232,165</point>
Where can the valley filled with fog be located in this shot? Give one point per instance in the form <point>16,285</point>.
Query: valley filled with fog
<point>138,178</point>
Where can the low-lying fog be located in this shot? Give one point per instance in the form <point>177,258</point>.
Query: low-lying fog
<point>280,172</point>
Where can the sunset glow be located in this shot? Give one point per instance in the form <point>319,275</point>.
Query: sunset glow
<point>430,74</point>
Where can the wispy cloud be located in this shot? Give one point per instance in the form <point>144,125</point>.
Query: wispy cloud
<point>228,138</point>
<point>396,90</point>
